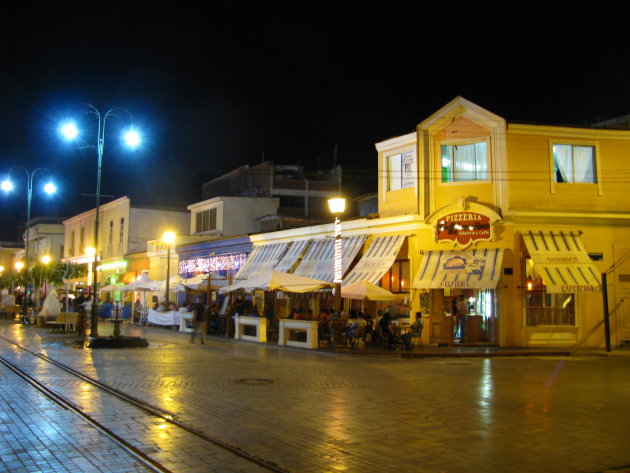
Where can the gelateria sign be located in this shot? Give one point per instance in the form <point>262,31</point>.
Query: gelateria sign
<point>464,223</point>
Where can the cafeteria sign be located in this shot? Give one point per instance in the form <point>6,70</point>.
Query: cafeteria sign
<point>465,223</point>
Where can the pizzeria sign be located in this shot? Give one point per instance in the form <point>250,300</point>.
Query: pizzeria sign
<point>463,227</point>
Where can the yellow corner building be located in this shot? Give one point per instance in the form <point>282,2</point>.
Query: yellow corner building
<point>515,226</point>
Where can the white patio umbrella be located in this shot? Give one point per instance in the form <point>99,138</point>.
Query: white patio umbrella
<point>363,290</point>
<point>200,282</point>
<point>159,286</point>
<point>277,280</point>
<point>135,286</point>
<point>112,287</point>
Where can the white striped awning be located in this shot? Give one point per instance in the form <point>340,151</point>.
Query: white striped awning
<point>562,262</point>
<point>295,251</point>
<point>465,269</point>
<point>376,261</point>
<point>263,258</point>
<point>318,262</point>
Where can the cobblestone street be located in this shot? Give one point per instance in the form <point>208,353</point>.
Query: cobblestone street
<point>320,411</point>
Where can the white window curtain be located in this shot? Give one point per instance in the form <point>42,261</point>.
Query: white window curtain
<point>394,169</point>
<point>564,162</point>
<point>481,161</point>
<point>583,164</point>
<point>470,162</point>
<point>464,163</point>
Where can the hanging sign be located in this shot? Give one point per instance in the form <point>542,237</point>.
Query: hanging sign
<point>463,227</point>
<point>464,223</point>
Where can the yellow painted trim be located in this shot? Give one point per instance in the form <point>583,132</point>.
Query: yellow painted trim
<point>569,132</point>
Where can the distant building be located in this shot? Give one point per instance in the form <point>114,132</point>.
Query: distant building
<point>302,196</point>
<point>123,229</point>
<point>8,254</point>
<point>46,238</point>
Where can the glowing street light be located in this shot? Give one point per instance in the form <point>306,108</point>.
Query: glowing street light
<point>70,131</point>
<point>49,188</point>
<point>337,207</point>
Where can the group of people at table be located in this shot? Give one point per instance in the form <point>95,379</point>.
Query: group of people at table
<point>379,330</point>
<point>376,330</point>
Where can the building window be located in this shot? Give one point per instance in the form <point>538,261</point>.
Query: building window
<point>121,236</point>
<point>573,163</point>
<point>110,238</point>
<point>401,171</point>
<point>464,162</point>
<point>82,239</point>
<point>397,278</point>
<point>206,220</point>
<point>548,309</point>
<point>72,245</point>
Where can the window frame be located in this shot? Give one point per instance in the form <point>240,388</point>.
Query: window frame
<point>206,216</point>
<point>550,306</point>
<point>465,142</point>
<point>390,174</point>
<point>573,185</point>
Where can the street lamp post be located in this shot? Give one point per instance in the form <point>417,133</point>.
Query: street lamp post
<point>168,238</point>
<point>70,131</point>
<point>337,206</point>
<point>49,188</point>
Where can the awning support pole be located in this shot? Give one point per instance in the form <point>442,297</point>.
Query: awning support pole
<point>606,319</point>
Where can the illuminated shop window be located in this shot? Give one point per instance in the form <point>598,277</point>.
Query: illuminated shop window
<point>574,163</point>
<point>548,309</point>
<point>397,278</point>
<point>464,162</point>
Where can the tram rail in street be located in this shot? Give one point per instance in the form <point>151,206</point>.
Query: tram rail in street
<point>147,408</point>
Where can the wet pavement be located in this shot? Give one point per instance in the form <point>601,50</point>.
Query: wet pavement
<point>447,409</point>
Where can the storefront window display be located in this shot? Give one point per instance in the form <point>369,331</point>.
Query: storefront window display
<point>473,315</point>
<point>548,309</point>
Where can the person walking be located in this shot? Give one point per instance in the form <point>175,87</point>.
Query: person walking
<point>200,323</point>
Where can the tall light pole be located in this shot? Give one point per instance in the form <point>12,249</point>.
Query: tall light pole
<point>70,132</point>
<point>337,206</point>
<point>49,188</point>
<point>168,238</point>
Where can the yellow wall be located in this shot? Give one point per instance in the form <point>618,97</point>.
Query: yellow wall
<point>530,173</point>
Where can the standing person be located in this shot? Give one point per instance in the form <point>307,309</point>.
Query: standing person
<point>462,312</point>
<point>200,322</point>
<point>85,308</point>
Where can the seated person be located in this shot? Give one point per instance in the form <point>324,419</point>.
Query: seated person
<point>213,318</point>
<point>350,331</point>
<point>385,325</point>
<point>416,331</point>
<point>299,315</point>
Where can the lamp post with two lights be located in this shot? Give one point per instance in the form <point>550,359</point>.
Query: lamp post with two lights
<point>131,137</point>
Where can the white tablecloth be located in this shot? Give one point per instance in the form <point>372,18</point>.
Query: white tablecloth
<point>163,318</point>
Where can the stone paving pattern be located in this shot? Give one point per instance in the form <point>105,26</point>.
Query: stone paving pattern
<point>326,411</point>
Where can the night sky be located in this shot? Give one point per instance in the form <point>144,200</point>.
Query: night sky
<point>212,90</point>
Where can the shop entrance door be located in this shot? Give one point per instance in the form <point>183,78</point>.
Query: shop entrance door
<point>440,325</point>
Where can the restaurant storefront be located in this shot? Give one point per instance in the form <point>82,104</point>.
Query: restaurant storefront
<point>459,271</point>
